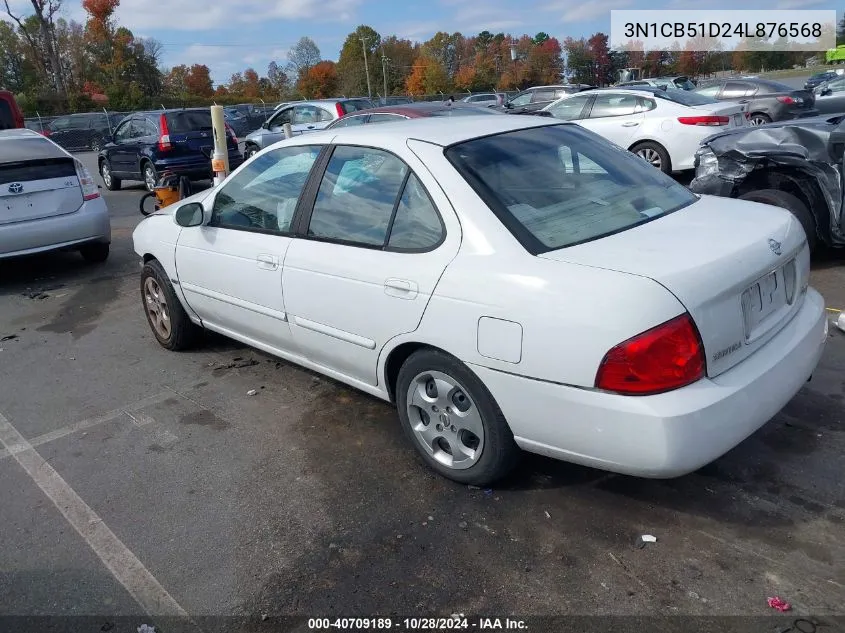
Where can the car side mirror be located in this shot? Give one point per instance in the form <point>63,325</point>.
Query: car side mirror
<point>191,214</point>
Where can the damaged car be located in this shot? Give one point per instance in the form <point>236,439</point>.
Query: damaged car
<point>797,166</point>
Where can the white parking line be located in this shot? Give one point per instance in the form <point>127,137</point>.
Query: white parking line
<point>128,410</point>
<point>120,561</point>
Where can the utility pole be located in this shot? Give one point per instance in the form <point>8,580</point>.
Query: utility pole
<point>384,61</point>
<point>366,68</point>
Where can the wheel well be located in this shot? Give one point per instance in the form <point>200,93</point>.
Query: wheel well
<point>797,184</point>
<point>148,258</point>
<point>396,359</point>
<point>644,141</point>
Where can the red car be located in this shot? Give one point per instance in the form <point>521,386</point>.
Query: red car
<point>11,116</point>
<point>386,114</point>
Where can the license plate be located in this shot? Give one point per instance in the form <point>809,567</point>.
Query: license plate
<point>761,299</point>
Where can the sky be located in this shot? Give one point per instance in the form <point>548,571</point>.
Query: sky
<point>231,35</point>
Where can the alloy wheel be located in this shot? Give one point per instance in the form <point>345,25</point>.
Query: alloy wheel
<point>157,309</point>
<point>445,420</point>
<point>651,156</point>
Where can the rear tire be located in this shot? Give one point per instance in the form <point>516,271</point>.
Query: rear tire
<point>654,154</point>
<point>778,198</point>
<point>95,253</point>
<point>170,324</point>
<point>758,118</point>
<point>111,181</point>
<point>250,151</point>
<point>444,408</point>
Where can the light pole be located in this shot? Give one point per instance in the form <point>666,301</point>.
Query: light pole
<point>366,67</point>
<point>384,61</point>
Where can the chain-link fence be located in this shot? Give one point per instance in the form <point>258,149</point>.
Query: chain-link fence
<point>90,131</point>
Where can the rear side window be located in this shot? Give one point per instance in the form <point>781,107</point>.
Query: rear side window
<point>417,225</point>
<point>607,105</point>
<point>734,89</point>
<point>188,121</point>
<point>384,117</point>
<point>349,121</point>
<point>7,120</point>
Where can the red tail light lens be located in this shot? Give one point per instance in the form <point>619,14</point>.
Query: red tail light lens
<point>786,100</point>
<point>661,359</point>
<point>232,133</point>
<point>704,120</point>
<point>164,144</point>
<point>339,109</point>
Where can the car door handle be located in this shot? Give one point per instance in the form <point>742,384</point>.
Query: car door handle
<point>401,288</point>
<point>267,262</point>
<point>310,127</point>
<point>630,124</point>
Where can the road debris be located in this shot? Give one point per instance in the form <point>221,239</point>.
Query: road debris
<point>463,525</point>
<point>489,492</point>
<point>10,337</point>
<point>251,392</point>
<point>645,538</point>
<point>840,322</point>
<point>779,604</point>
<point>548,516</point>
<point>146,628</point>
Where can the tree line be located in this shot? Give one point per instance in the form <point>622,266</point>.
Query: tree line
<point>55,65</point>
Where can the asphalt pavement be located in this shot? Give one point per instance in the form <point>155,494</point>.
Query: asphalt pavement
<point>146,481</point>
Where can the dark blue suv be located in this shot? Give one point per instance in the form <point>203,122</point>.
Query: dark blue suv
<point>145,144</point>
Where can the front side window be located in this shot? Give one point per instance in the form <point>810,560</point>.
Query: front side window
<point>304,115</point>
<point>521,99</point>
<point>124,132</point>
<point>560,185</point>
<point>263,196</point>
<point>569,109</point>
<point>282,117</point>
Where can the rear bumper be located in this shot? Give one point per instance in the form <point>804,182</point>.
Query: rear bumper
<point>671,434</point>
<point>90,223</point>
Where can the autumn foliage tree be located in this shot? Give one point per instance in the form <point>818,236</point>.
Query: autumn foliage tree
<point>320,81</point>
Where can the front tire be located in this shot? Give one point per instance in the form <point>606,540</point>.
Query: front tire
<point>169,322</point>
<point>453,421</point>
<point>778,198</point>
<point>250,151</point>
<point>758,118</point>
<point>111,181</point>
<point>654,154</point>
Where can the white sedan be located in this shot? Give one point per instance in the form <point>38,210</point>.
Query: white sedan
<point>664,127</point>
<point>509,283</point>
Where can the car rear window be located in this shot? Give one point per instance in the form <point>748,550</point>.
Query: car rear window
<point>189,121</point>
<point>557,186</point>
<point>14,150</point>
<point>354,105</point>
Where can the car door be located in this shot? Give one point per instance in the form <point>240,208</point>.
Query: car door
<point>121,154</point>
<point>371,251</point>
<point>276,126</point>
<point>230,268</point>
<point>831,97</point>
<point>615,116</point>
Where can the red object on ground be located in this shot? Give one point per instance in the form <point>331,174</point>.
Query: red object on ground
<point>779,604</point>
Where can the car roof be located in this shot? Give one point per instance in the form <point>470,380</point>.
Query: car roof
<point>436,130</point>
<point>415,109</point>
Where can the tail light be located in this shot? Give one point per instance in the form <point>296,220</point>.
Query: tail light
<point>790,100</point>
<point>164,144</point>
<point>232,133</point>
<point>45,132</point>
<point>704,120</point>
<point>339,109</point>
<point>664,358</point>
<point>86,182</point>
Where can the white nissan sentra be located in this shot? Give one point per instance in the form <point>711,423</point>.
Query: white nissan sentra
<point>509,282</point>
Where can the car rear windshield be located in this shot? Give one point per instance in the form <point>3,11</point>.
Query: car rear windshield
<point>557,186</point>
<point>189,121</point>
<point>683,83</point>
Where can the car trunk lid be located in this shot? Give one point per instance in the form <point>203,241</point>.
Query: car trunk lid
<point>41,185</point>
<point>728,262</point>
